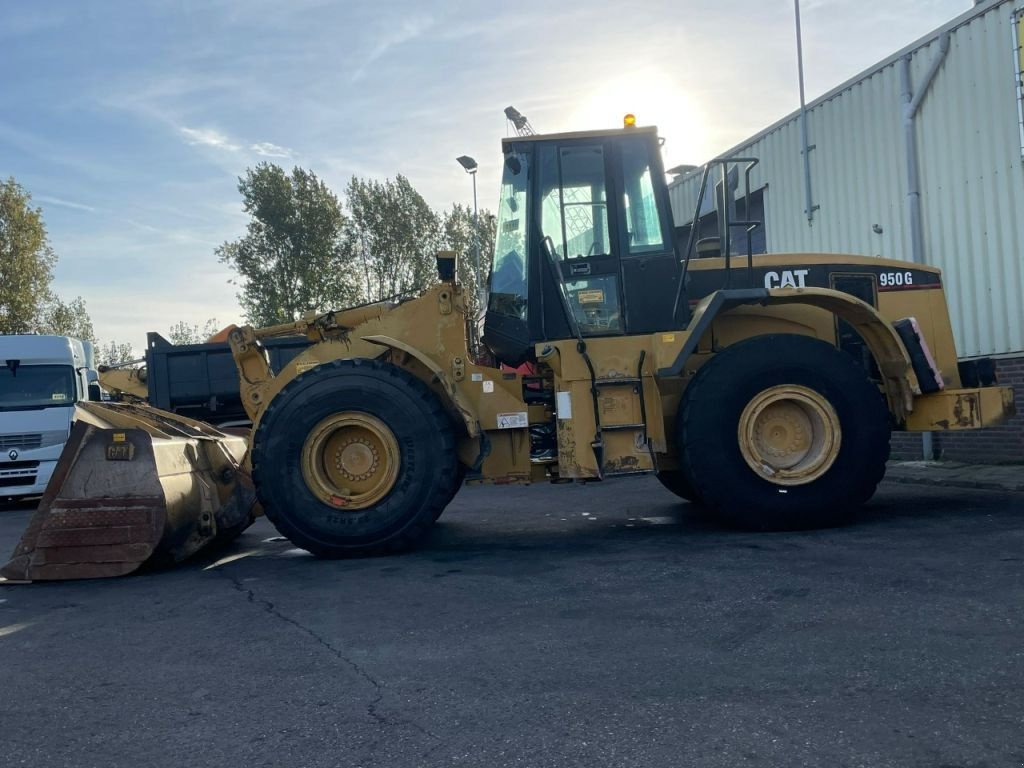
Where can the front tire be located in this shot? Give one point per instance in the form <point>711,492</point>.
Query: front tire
<point>460,479</point>
<point>675,481</point>
<point>783,432</point>
<point>354,457</point>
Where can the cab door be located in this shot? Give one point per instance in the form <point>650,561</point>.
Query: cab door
<point>650,265</point>
<point>579,233</point>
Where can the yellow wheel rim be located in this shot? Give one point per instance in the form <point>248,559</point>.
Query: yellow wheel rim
<point>789,435</point>
<point>351,460</point>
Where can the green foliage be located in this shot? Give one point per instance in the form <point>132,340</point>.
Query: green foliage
<point>68,319</point>
<point>291,259</point>
<point>26,261</point>
<point>393,235</point>
<point>113,353</point>
<point>458,235</point>
<point>185,333</point>
<point>300,252</point>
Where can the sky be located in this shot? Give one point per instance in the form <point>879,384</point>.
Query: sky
<point>130,121</point>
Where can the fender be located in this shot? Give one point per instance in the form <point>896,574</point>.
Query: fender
<point>884,343</point>
<point>458,400</point>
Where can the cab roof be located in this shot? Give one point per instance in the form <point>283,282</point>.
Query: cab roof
<point>42,350</point>
<point>602,134</point>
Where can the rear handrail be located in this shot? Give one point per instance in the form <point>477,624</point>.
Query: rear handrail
<point>725,227</point>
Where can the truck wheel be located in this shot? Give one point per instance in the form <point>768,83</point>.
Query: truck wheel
<point>675,481</point>
<point>783,432</point>
<point>354,457</point>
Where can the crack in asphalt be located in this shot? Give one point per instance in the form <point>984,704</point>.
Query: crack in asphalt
<point>372,708</point>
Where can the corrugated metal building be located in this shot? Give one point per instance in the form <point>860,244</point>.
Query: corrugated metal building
<point>969,140</point>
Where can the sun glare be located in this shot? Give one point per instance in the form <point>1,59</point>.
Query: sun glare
<point>655,99</point>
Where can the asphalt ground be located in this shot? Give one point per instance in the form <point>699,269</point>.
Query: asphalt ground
<point>543,626</point>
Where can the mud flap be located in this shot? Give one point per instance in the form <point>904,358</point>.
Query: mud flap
<point>134,485</point>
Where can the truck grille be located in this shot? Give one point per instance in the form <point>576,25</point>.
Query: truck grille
<point>15,473</point>
<point>21,442</point>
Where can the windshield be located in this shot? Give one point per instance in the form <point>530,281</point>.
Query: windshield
<point>36,386</point>
<point>508,274</point>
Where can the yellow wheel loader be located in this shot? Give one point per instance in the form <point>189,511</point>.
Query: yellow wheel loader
<point>768,400</point>
<point>763,387</point>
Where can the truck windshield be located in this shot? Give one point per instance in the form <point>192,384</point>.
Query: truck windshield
<point>36,386</point>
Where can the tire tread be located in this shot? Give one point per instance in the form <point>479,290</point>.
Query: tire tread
<point>441,491</point>
<point>713,378</point>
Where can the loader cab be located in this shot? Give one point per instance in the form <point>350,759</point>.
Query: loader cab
<point>585,243</point>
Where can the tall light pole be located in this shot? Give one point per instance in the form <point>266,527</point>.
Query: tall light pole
<point>808,201</point>
<point>469,165</point>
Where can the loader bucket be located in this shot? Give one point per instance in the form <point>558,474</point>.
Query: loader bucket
<point>133,485</point>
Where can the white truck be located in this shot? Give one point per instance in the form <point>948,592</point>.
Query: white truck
<point>41,379</point>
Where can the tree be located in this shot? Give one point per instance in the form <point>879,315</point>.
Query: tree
<point>458,231</point>
<point>113,353</point>
<point>184,333</point>
<point>70,319</point>
<point>26,261</point>
<point>27,304</point>
<point>393,235</point>
<point>291,259</point>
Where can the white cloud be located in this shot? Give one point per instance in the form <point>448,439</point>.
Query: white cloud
<point>64,203</point>
<point>409,29</point>
<point>266,149</point>
<point>208,137</point>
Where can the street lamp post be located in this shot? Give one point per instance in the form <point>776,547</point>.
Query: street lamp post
<point>470,166</point>
<point>808,200</point>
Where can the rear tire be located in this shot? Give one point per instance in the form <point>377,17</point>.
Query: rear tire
<point>354,457</point>
<point>799,410</point>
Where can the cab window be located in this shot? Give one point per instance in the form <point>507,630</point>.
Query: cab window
<point>643,226</point>
<point>574,202</point>
<point>575,234</point>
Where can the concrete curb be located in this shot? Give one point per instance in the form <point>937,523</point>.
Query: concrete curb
<point>950,474</point>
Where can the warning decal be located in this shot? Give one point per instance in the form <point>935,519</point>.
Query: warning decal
<point>513,420</point>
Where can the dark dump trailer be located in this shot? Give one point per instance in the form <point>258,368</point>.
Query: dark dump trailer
<point>200,380</point>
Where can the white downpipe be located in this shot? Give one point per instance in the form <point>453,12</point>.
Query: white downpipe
<point>911,105</point>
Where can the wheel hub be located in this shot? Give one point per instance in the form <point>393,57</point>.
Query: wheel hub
<point>789,434</point>
<point>356,460</point>
<point>351,460</point>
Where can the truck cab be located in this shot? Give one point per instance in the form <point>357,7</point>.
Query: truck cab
<point>41,380</point>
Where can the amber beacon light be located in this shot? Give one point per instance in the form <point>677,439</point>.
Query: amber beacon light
<point>629,120</point>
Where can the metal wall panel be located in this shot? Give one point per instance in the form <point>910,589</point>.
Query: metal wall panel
<point>971,177</point>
